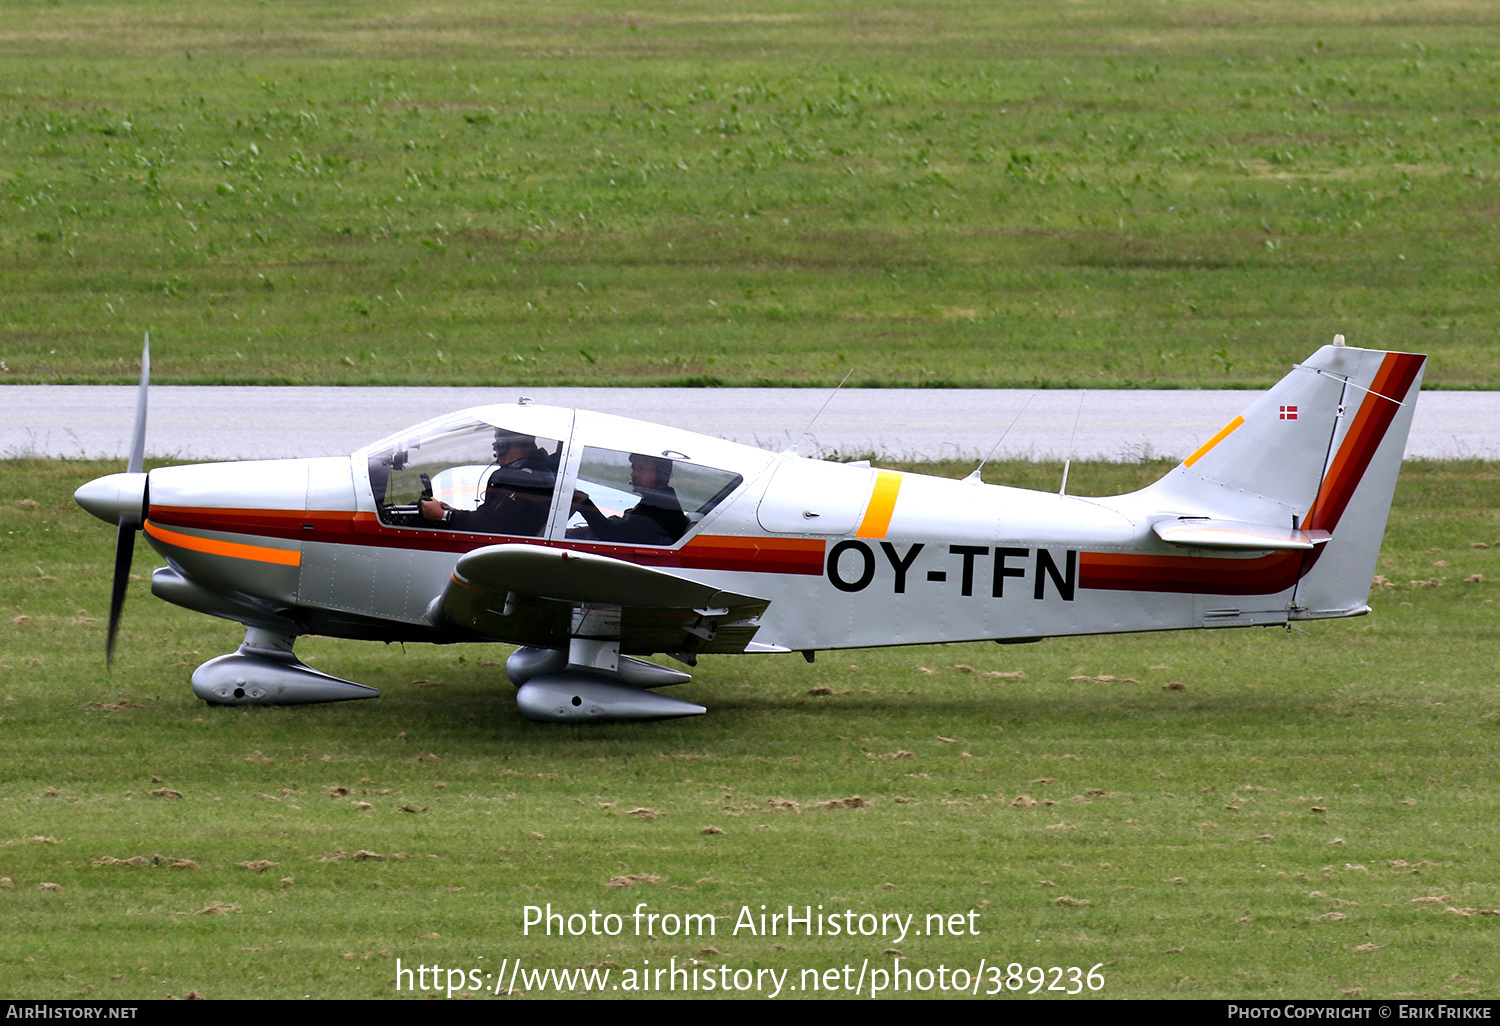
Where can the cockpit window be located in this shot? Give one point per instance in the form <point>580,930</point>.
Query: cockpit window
<point>643,498</point>
<point>466,475</point>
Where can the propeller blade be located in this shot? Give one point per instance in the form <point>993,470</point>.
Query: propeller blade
<point>124,550</point>
<point>130,522</point>
<point>138,439</point>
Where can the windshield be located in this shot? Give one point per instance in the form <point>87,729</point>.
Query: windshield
<point>468,475</point>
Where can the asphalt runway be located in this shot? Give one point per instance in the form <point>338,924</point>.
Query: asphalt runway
<point>227,422</point>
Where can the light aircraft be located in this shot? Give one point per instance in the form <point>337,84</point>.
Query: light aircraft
<point>592,541</point>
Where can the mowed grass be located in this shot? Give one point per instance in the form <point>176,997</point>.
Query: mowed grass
<point>1092,194</point>
<point>1240,813</point>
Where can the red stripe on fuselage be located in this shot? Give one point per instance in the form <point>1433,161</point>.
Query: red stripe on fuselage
<point>1266,575</point>
<point>1208,575</point>
<point>341,527</point>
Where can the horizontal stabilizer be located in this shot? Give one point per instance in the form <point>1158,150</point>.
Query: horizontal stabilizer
<point>1213,533</point>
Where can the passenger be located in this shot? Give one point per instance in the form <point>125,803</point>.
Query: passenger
<point>656,520</point>
<point>517,496</point>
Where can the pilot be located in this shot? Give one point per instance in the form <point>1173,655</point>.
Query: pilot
<point>517,496</point>
<point>656,520</point>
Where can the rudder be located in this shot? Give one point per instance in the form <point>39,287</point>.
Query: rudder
<point>1354,498</point>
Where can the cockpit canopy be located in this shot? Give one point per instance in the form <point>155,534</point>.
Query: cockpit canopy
<point>540,472</point>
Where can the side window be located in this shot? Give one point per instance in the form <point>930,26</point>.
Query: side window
<point>642,499</point>
<point>467,476</point>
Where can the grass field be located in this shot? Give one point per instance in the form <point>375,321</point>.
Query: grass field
<point>1239,813</point>
<point>1098,193</point>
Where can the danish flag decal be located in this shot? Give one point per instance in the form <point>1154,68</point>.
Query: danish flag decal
<point>1289,413</point>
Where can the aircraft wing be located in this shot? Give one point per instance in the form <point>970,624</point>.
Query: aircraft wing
<point>1213,533</point>
<point>536,595</point>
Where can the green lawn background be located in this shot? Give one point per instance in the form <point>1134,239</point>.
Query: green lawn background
<point>1088,193</point>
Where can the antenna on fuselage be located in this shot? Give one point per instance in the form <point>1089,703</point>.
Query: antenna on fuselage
<point>1068,460</point>
<point>792,449</point>
<point>973,477</point>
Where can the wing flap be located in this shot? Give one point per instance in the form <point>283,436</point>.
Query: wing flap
<point>1214,533</point>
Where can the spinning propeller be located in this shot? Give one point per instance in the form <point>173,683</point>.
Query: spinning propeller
<point>120,499</point>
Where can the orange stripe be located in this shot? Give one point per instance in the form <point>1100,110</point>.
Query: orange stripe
<point>1215,440</point>
<point>235,550</point>
<point>882,504</point>
<point>466,584</point>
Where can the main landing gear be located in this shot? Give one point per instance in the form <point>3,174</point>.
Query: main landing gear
<point>590,680</point>
<point>265,672</point>
<point>593,681</point>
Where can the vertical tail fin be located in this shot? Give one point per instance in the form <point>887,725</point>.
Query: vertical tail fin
<point>1318,456</point>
